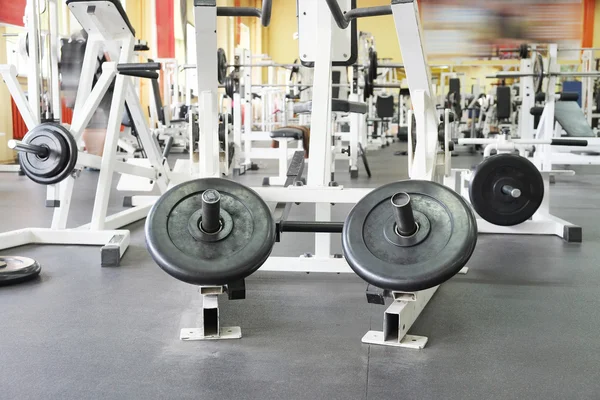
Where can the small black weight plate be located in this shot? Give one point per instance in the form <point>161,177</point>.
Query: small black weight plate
<point>180,249</point>
<point>230,86</point>
<point>17,269</point>
<point>61,159</point>
<point>491,203</point>
<point>538,72</point>
<point>523,51</point>
<point>368,88</point>
<point>221,65</point>
<point>443,243</point>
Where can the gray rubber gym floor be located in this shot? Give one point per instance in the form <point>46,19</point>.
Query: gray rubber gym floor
<point>523,323</point>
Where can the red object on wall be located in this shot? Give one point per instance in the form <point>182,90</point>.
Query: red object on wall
<point>67,114</point>
<point>11,12</point>
<point>18,125</point>
<point>165,28</point>
<point>589,8</point>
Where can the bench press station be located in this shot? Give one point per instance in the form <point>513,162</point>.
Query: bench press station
<point>198,231</point>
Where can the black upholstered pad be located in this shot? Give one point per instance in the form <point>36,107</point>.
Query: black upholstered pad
<point>336,106</point>
<point>287,132</point>
<point>117,5</point>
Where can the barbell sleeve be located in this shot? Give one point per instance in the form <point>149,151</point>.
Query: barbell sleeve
<point>28,148</point>
<point>403,214</point>
<point>211,211</point>
<point>511,191</point>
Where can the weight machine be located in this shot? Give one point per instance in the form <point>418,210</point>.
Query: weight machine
<point>49,153</point>
<point>202,210</point>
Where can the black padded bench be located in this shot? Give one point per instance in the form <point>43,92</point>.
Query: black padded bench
<point>336,106</point>
<point>287,133</point>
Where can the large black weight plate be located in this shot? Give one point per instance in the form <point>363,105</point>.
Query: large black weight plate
<point>437,254</point>
<point>61,159</point>
<point>17,269</point>
<point>496,207</point>
<point>221,65</point>
<point>182,253</point>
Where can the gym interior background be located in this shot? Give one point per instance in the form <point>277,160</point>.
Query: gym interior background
<point>202,200</point>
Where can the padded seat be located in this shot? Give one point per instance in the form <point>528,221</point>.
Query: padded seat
<point>287,132</point>
<point>336,106</point>
<point>117,5</point>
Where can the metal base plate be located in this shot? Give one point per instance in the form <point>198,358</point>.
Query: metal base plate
<point>408,341</point>
<point>227,332</point>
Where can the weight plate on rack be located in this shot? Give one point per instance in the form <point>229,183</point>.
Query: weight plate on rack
<point>523,51</point>
<point>17,269</point>
<point>230,84</point>
<point>442,245</point>
<point>61,158</point>
<point>372,64</point>
<point>221,65</point>
<point>368,86</point>
<point>178,245</point>
<point>506,189</point>
<point>538,72</point>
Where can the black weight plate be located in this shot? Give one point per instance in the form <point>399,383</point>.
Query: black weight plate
<point>523,51</point>
<point>538,72</point>
<point>62,154</point>
<point>496,207</point>
<point>216,262</point>
<point>17,269</point>
<point>435,258</point>
<point>368,88</point>
<point>372,65</point>
<point>221,65</point>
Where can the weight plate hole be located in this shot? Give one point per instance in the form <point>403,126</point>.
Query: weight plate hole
<point>401,235</point>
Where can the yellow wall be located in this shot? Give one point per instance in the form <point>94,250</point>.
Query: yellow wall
<point>5,109</point>
<point>283,48</point>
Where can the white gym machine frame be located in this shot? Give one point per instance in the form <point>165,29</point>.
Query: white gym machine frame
<point>106,27</point>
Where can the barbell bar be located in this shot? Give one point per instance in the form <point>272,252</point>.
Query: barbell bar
<point>18,145</point>
<point>520,75</point>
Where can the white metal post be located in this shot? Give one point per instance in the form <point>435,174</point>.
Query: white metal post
<point>54,35</point>
<point>205,17</point>
<point>527,99</point>
<point>113,131</point>
<point>248,113</point>
<point>34,70</point>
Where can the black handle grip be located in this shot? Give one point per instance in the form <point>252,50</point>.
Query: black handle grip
<point>168,145</point>
<point>264,15</point>
<point>343,19</point>
<point>152,66</point>
<point>569,142</point>
<point>141,74</point>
